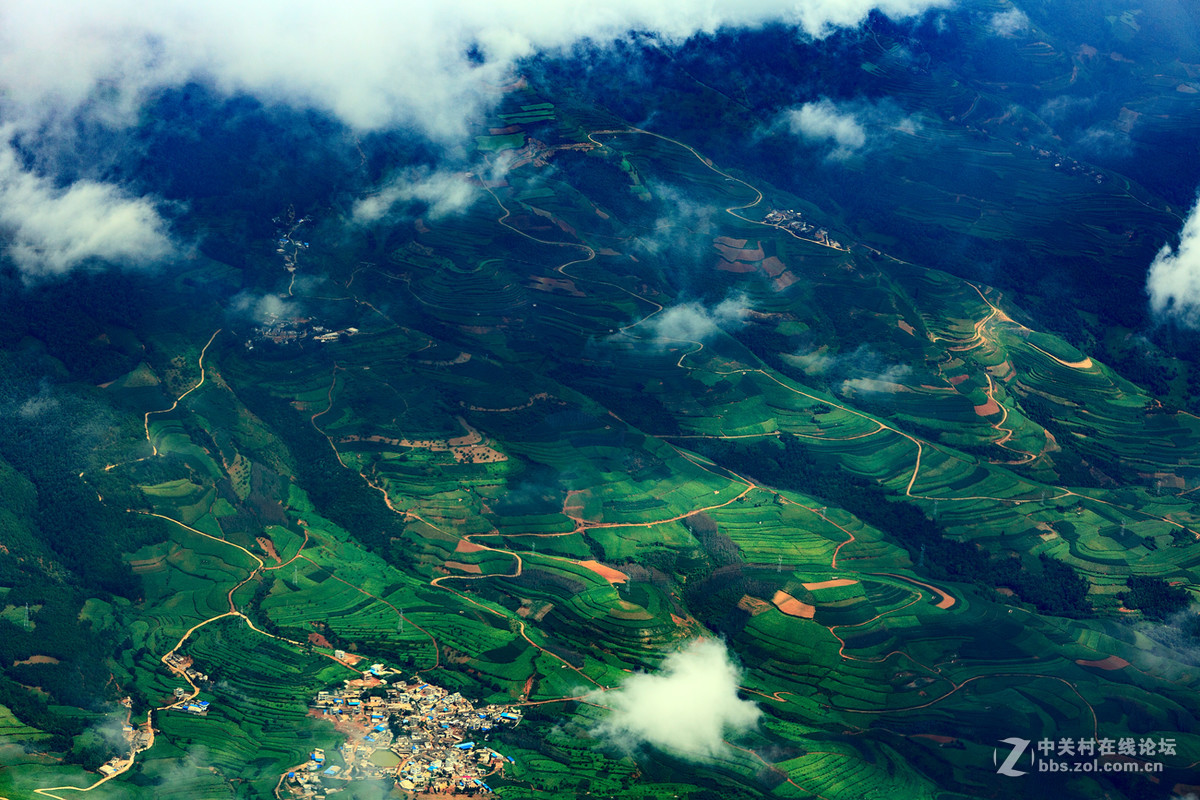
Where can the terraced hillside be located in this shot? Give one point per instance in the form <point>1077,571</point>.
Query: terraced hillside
<point>628,396</point>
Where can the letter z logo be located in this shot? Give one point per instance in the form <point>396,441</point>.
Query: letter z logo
<point>1018,749</point>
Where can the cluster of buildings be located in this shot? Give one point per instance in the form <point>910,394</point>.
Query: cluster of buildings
<point>115,766</point>
<point>184,700</point>
<point>1065,164</point>
<point>296,329</point>
<point>539,153</point>
<point>198,708</point>
<point>287,236</point>
<point>792,221</point>
<point>138,739</point>
<point>184,664</point>
<point>283,242</point>
<point>424,738</point>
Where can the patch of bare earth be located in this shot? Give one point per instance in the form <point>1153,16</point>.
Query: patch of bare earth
<point>829,584</point>
<point>793,607</point>
<point>988,408</point>
<point>269,548</point>
<point>753,605</point>
<point>36,660</point>
<point>608,573</point>
<point>1108,664</point>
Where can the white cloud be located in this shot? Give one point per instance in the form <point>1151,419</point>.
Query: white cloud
<point>683,232</point>
<point>443,192</point>
<point>821,121</point>
<point>1066,106</point>
<point>1173,282</point>
<point>49,229</point>
<point>1009,23</point>
<point>41,403</point>
<point>816,362</point>
<point>888,380</point>
<point>1103,140</point>
<point>372,64</point>
<point>688,707</point>
<point>694,322</point>
<point>861,370</point>
<point>265,309</point>
<point>847,128</point>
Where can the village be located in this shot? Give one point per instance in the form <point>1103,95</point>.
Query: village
<point>792,221</point>
<point>295,329</point>
<point>287,236</point>
<point>279,329</point>
<point>184,700</point>
<point>1064,163</point>
<point>427,739</point>
<point>138,739</point>
<point>422,738</point>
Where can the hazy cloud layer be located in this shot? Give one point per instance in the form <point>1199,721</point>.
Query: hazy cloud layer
<point>1079,121</point>
<point>372,64</point>
<point>34,407</point>
<point>1104,140</point>
<point>683,230</point>
<point>431,67</point>
<point>1173,282</point>
<point>821,121</point>
<point>689,706</point>
<point>444,193</point>
<point>846,128</point>
<point>861,370</point>
<point>1009,23</point>
<point>49,229</point>
<point>695,322</point>
<point>1067,108</point>
<point>889,379</point>
<point>46,414</point>
<point>265,309</point>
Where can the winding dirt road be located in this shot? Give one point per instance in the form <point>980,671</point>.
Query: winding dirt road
<point>178,400</point>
